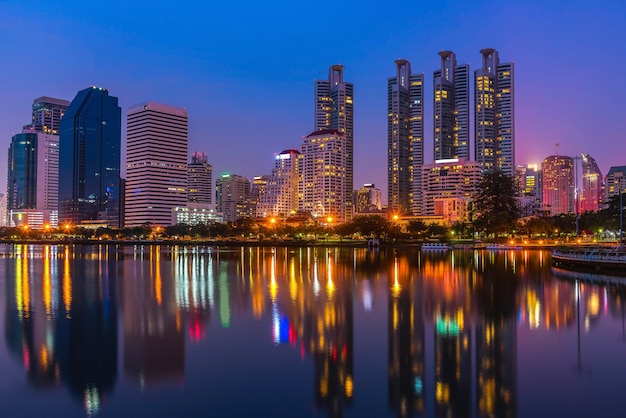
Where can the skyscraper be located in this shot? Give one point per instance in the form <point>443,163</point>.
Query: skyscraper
<point>405,131</point>
<point>368,199</point>
<point>558,184</point>
<point>494,117</point>
<point>33,179</point>
<point>199,179</point>
<point>156,163</point>
<point>451,109</point>
<point>232,197</point>
<point>322,171</point>
<point>89,159</point>
<point>615,182</point>
<point>334,110</point>
<point>592,194</point>
<point>47,114</point>
<point>280,197</point>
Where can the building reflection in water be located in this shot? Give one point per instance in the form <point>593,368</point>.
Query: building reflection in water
<point>452,318</point>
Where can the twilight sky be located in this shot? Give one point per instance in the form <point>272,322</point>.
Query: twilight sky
<point>245,70</point>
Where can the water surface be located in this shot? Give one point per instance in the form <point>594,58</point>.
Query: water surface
<point>123,331</point>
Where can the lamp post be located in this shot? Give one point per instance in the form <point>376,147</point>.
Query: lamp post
<point>619,176</point>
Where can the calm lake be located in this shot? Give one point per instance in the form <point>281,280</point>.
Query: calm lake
<point>172,331</point>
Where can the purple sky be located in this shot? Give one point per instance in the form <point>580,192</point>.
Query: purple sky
<point>245,70</point>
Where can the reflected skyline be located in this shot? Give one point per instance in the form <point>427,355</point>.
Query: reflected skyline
<point>97,319</point>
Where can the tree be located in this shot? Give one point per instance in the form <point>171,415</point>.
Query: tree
<point>494,205</point>
<point>417,226</point>
<point>374,225</point>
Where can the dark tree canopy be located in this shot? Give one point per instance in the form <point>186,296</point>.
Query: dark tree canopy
<point>495,207</point>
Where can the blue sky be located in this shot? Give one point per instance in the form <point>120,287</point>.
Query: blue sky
<point>245,70</point>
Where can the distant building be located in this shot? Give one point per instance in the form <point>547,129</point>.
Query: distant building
<point>33,180</point>
<point>322,171</point>
<point>199,179</point>
<point>558,184</point>
<point>494,114</point>
<point>47,114</point>
<point>405,137</point>
<point>615,182</point>
<point>3,209</point>
<point>368,199</point>
<point>334,104</point>
<point>451,124</point>
<point>448,188</point>
<point>232,197</point>
<point>280,197</point>
<point>196,214</point>
<point>528,183</point>
<point>156,163</point>
<point>592,193</point>
<point>89,159</point>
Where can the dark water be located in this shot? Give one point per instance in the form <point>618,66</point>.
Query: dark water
<point>260,332</point>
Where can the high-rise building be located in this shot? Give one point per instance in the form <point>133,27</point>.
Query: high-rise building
<point>47,114</point>
<point>368,199</point>
<point>615,182</point>
<point>199,179</point>
<point>449,186</point>
<point>451,90</point>
<point>592,194</point>
<point>89,159</point>
<point>334,110</point>
<point>322,172</point>
<point>3,209</point>
<point>558,184</point>
<point>528,183</point>
<point>232,197</point>
<point>280,197</point>
<point>405,132</point>
<point>494,114</point>
<point>33,179</point>
<point>156,163</point>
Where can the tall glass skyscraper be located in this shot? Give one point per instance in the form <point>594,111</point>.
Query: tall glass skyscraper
<point>405,132</point>
<point>89,169</point>
<point>592,194</point>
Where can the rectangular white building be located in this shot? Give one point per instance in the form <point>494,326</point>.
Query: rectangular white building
<point>156,163</point>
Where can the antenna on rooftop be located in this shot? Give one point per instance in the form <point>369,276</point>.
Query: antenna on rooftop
<point>557,148</point>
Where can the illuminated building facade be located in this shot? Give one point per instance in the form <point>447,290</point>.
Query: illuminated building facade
<point>528,183</point>
<point>615,182</point>
<point>47,115</point>
<point>89,159</point>
<point>592,193</point>
<point>405,134</point>
<point>448,186</point>
<point>494,114</point>
<point>232,197</point>
<point>195,214</point>
<point>199,179</point>
<point>156,163</point>
<point>280,197</point>
<point>322,175</point>
<point>558,184</point>
<point>368,199</point>
<point>334,104</point>
<point>451,92</point>
<point>33,180</point>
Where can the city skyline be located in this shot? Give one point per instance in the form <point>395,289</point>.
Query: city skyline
<point>213,79</point>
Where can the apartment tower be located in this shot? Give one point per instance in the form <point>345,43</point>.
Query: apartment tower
<point>156,163</point>
<point>322,175</point>
<point>199,179</point>
<point>494,114</point>
<point>405,132</point>
<point>334,110</point>
<point>451,109</point>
